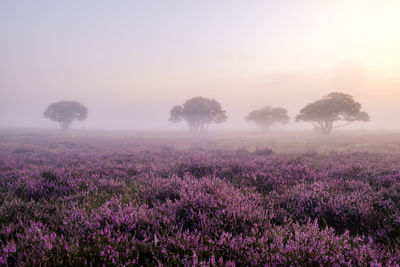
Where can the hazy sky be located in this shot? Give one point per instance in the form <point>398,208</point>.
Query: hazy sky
<point>129,62</point>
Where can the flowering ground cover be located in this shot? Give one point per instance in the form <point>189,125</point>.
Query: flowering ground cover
<point>73,200</point>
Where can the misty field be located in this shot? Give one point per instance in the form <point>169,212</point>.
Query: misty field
<point>219,200</point>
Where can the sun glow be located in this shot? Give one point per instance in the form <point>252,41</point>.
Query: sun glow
<point>372,36</point>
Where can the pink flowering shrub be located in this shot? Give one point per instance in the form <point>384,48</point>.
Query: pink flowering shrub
<point>78,201</point>
<point>344,205</point>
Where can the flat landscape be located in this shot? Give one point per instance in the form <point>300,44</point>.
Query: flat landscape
<point>200,133</point>
<point>220,199</point>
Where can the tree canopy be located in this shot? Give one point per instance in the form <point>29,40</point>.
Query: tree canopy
<point>199,113</point>
<point>265,117</point>
<point>64,112</point>
<point>331,108</point>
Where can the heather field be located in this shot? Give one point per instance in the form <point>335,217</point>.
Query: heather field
<point>227,199</point>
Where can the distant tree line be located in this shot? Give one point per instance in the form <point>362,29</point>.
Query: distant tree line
<point>332,111</point>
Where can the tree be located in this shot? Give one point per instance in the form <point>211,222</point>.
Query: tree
<point>64,112</point>
<point>265,117</point>
<point>199,113</point>
<point>331,108</point>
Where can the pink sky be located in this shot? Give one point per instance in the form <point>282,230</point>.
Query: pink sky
<point>131,61</point>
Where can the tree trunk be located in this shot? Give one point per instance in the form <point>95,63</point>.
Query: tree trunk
<point>327,127</point>
<point>65,125</point>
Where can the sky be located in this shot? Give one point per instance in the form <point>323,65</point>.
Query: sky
<point>129,62</point>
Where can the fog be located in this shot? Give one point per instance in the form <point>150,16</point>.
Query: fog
<point>129,62</point>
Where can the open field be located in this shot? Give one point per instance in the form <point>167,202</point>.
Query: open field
<point>221,199</point>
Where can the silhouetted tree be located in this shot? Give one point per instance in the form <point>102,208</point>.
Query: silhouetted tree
<point>265,117</point>
<point>199,113</point>
<point>334,107</point>
<point>64,112</point>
